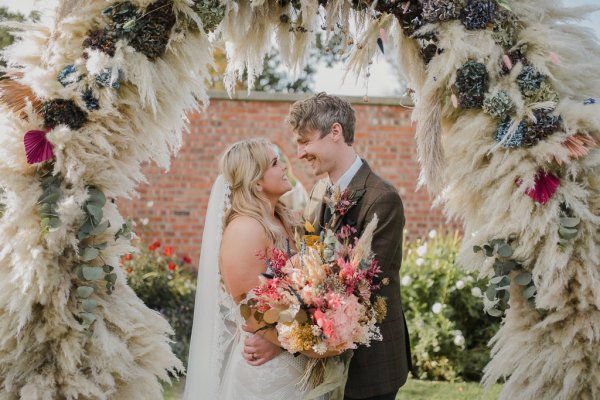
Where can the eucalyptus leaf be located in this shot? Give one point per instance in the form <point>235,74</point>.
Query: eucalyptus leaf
<point>567,233</point>
<point>100,229</point>
<point>87,226</point>
<point>88,318</point>
<point>89,305</point>
<point>506,296</point>
<point>83,292</point>
<point>112,278</point>
<point>529,292</point>
<point>497,279</point>
<point>92,273</point>
<point>108,268</point>
<point>101,246</point>
<point>491,293</point>
<point>570,222</point>
<point>489,251</point>
<point>505,251</point>
<point>50,197</point>
<point>89,253</point>
<point>504,4</point>
<point>563,242</point>
<point>96,198</point>
<point>95,212</point>
<point>245,311</point>
<point>477,249</point>
<point>271,316</point>
<point>523,278</point>
<point>494,312</point>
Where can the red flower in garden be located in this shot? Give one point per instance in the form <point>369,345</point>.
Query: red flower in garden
<point>154,245</point>
<point>129,257</point>
<point>168,251</point>
<point>171,266</point>
<point>187,260</point>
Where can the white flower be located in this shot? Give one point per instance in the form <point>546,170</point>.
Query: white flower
<point>422,250</point>
<point>150,204</point>
<point>436,308</point>
<point>144,221</point>
<point>460,284</point>
<point>459,340</point>
<point>432,234</point>
<point>420,262</point>
<point>320,348</point>
<point>476,292</point>
<point>406,280</point>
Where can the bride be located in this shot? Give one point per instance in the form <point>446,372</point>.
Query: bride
<point>244,219</point>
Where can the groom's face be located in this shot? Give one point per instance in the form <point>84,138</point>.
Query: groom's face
<point>315,150</point>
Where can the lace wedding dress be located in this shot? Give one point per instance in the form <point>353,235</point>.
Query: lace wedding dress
<point>216,367</point>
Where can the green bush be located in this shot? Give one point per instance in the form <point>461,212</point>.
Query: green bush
<point>449,330</point>
<point>166,284</point>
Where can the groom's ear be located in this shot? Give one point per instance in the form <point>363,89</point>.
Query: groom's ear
<point>337,132</point>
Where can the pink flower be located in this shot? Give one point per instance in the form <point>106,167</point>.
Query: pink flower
<point>37,147</point>
<point>545,186</point>
<point>323,323</point>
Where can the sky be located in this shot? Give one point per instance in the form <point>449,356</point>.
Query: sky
<point>383,79</point>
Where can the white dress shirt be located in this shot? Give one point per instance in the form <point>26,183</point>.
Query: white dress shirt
<point>347,176</point>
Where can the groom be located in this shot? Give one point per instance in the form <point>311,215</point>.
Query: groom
<point>323,127</point>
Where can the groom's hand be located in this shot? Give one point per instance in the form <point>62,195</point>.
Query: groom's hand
<point>258,350</point>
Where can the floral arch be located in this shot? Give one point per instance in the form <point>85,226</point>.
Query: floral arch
<point>507,132</point>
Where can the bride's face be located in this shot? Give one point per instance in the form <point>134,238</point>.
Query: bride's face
<point>274,182</point>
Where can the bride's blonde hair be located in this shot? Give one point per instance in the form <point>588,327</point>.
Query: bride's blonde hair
<point>243,164</point>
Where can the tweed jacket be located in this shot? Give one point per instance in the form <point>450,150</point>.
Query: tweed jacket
<point>383,367</point>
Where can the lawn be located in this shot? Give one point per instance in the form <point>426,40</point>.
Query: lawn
<point>413,390</point>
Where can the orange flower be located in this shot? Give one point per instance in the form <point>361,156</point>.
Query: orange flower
<point>168,251</point>
<point>172,266</point>
<point>129,270</point>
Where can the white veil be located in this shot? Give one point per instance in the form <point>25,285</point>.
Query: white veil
<point>214,328</point>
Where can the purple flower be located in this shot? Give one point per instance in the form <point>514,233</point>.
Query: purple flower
<point>37,147</point>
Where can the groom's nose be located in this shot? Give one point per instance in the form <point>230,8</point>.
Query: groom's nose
<point>301,151</point>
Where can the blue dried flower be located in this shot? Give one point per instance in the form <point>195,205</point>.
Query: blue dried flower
<point>472,82</point>
<point>477,14</point>
<point>589,101</point>
<point>439,10</point>
<point>516,140</point>
<point>91,102</point>
<point>68,76</point>
<point>530,80</point>
<point>499,106</point>
<point>123,15</point>
<point>546,123</point>
<point>103,79</point>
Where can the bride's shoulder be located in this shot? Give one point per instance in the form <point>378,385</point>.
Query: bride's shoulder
<point>245,227</point>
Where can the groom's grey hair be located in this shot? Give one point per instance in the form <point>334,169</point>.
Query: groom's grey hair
<point>320,112</point>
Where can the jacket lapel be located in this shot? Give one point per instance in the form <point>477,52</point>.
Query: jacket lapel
<point>357,187</point>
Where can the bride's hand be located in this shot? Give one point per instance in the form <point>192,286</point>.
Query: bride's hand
<point>257,349</point>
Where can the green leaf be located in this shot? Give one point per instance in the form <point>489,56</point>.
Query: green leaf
<point>497,279</point>
<point>107,268</point>
<point>491,293</point>
<point>50,196</point>
<point>494,312</point>
<point>504,4</point>
<point>112,278</point>
<point>570,222</point>
<point>523,278</point>
<point>89,305</point>
<point>477,249</point>
<point>506,296</point>
<point>95,212</point>
<point>96,198</point>
<point>100,229</point>
<point>505,251</point>
<point>567,233</point>
<point>83,292</point>
<point>87,226</point>
<point>88,318</point>
<point>101,246</point>
<point>89,254</point>
<point>489,251</point>
<point>529,292</point>
<point>91,273</point>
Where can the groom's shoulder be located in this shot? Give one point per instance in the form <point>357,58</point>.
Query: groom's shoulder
<point>377,185</point>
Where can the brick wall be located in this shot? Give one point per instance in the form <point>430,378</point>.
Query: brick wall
<point>174,203</point>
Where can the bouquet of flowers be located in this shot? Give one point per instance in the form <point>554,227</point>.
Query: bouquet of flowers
<point>322,298</point>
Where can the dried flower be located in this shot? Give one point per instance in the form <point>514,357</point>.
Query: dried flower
<point>472,83</point>
<point>579,145</point>
<point>211,12</point>
<point>68,75</point>
<point>410,17</point>
<point>102,40</point>
<point>150,34</point>
<point>589,101</point>
<point>439,10</point>
<point>544,93</point>
<point>516,140</point>
<point>105,78</point>
<point>37,147</point>
<point>123,15</point>
<point>380,308</point>
<point>545,124</point>
<point>545,186</point>
<point>506,29</point>
<point>529,80</point>
<point>499,106</point>
<point>477,14</point>
<point>60,111</point>
<point>91,102</point>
